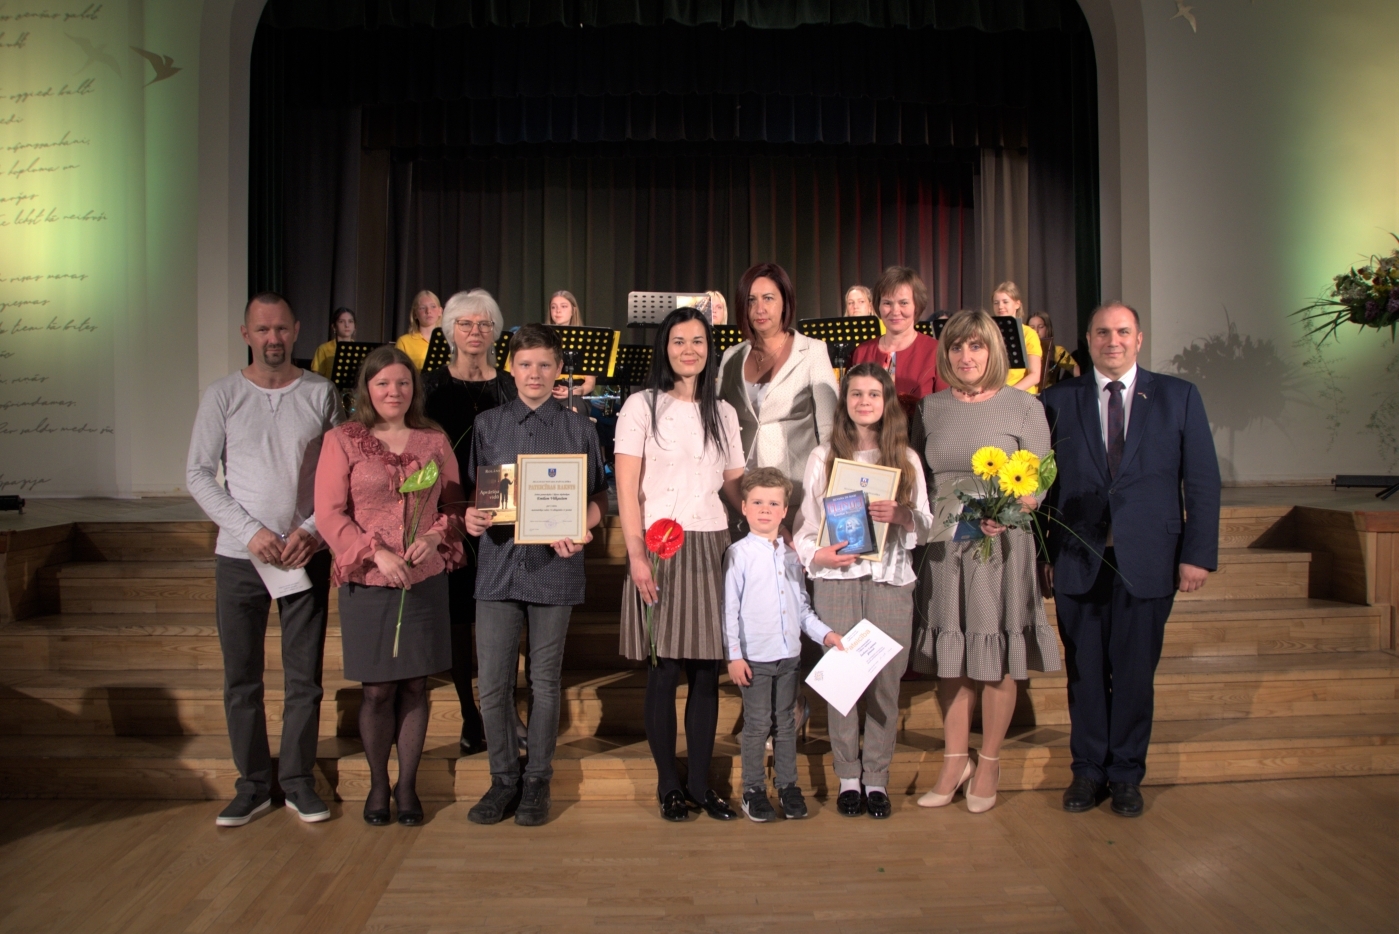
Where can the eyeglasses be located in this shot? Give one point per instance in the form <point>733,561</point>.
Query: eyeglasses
<point>485,327</point>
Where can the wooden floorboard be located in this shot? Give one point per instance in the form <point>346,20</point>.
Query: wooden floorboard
<point>1304,856</point>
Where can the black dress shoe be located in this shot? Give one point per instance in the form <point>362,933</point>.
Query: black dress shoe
<point>713,805</point>
<point>412,815</point>
<point>674,808</point>
<point>1126,799</point>
<point>850,803</point>
<point>376,818</point>
<point>1082,795</point>
<point>879,805</point>
<point>470,747</point>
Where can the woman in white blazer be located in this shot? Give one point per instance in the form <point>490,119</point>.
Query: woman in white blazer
<point>780,382</point>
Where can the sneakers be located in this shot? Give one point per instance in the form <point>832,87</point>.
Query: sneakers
<point>243,808</point>
<point>494,803</point>
<point>307,805</point>
<point>793,804</point>
<point>757,806</point>
<point>534,803</point>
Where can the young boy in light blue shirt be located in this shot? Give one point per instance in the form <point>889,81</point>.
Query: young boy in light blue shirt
<point>765,612</point>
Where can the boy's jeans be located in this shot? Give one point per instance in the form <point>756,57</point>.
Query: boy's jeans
<point>767,702</point>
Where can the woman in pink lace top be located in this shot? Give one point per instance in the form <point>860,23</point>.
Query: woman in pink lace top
<point>362,515</point>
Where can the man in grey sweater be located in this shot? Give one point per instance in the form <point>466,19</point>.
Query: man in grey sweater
<point>264,426</point>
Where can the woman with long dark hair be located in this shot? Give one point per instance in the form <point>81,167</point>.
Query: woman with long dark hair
<point>392,574</point>
<point>678,452</point>
<point>342,328</point>
<point>778,381</point>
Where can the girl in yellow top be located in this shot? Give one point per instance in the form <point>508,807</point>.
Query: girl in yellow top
<point>426,316</point>
<point>342,328</point>
<point>1060,363</point>
<point>1006,303</point>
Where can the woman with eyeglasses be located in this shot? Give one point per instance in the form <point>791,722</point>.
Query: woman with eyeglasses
<point>456,393</point>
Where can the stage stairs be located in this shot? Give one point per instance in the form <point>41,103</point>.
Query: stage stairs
<point>117,691</point>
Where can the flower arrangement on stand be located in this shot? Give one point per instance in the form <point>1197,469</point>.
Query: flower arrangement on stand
<point>663,540</point>
<point>417,483</point>
<point>1368,297</point>
<point>1003,479</point>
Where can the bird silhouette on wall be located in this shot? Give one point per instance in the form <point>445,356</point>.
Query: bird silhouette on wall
<point>95,53</point>
<point>164,65</point>
<point>1186,13</point>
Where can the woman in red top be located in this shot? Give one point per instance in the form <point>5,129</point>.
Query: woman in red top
<point>380,568</point>
<point>910,357</point>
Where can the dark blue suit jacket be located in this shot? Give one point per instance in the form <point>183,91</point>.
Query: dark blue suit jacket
<point>1164,504</point>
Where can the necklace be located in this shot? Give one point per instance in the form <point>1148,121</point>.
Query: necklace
<point>765,355</point>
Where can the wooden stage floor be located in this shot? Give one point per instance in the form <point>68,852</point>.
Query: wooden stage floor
<point>1304,855</point>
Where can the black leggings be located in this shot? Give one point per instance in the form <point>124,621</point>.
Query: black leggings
<point>393,713</point>
<point>701,721</point>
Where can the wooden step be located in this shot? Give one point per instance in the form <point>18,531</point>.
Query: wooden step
<point>595,769</point>
<point>1253,574</point>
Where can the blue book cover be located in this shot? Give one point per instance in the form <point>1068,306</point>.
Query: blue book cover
<point>848,520</point>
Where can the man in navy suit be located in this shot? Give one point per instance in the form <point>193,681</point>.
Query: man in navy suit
<point>1139,489</point>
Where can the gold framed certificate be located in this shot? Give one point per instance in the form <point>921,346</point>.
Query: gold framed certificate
<point>877,483</point>
<point>551,498</point>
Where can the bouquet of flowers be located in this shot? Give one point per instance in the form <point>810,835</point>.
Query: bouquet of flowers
<point>412,488</point>
<point>663,540</point>
<point>1368,296</point>
<point>1002,479</point>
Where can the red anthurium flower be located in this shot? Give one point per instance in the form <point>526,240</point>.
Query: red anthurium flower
<point>664,538</point>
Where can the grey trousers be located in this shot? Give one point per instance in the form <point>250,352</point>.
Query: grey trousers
<point>498,628</point>
<point>767,710</point>
<point>841,604</point>
<point>242,605</point>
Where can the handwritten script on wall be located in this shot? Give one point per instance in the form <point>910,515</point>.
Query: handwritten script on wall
<point>70,87</point>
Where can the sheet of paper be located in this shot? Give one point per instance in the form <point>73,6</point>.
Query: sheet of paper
<point>841,677</point>
<point>281,582</point>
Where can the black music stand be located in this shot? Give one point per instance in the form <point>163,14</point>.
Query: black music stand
<point>725,336</point>
<point>344,368</point>
<point>438,353</point>
<point>1013,336</point>
<point>588,352</point>
<point>633,367</point>
<point>842,335</point>
<point>931,327</point>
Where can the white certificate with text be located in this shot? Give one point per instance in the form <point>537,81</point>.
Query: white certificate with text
<point>841,677</point>
<point>281,582</point>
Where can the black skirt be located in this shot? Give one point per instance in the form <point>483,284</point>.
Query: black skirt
<point>368,616</point>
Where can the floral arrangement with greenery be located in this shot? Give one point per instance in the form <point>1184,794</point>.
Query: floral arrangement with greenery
<point>1368,297</point>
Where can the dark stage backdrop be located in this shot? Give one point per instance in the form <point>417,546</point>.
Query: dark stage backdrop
<point>604,147</point>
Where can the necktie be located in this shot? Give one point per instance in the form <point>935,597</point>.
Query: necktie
<point>1116,433</point>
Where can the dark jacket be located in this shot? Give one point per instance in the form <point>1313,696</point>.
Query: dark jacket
<point>1163,506</point>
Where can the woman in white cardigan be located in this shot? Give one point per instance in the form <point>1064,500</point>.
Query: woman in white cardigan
<point>780,382</point>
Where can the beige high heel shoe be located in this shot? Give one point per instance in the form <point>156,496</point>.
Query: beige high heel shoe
<point>931,799</point>
<point>981,805</point>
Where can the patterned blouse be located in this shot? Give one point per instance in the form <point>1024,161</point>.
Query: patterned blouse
<point>359,509</point>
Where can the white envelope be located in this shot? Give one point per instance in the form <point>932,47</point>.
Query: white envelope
<point>841,677</point>
<point>281,582</point>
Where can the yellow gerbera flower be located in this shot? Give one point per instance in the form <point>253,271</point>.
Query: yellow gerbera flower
<point>1029,458</point>
<point>1019,479</point>
<point>988,461</point>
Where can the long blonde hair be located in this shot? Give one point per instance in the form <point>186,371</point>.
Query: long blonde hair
<point>893,430</point>
<point>1012,292</point>
<point>413,308</point>
<point>575,320</point>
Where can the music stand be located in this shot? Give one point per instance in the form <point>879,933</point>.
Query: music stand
<point>1012,336</point>
<point>588,352</point>
<point>344,367</point>
<point>842,335</point>
<point>633,366</point>
<point>725,336</point>
<point>438,353</point>
<point>649,309</point>
<point>931,327</point>
<point>502,350</point>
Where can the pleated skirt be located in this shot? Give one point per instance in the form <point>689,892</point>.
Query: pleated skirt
<point>368,617</point>
<point>983,620</point>
<point>689,616</point>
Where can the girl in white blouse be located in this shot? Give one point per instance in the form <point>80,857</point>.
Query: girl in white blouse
<point>869,426</point>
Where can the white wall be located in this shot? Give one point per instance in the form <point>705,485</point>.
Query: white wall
<point>1273,154</point>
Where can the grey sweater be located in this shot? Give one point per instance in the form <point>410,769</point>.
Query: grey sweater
<point>269,442</point>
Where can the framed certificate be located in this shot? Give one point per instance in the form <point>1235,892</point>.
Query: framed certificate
<point>551,498</point>
<point>877,483</point>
